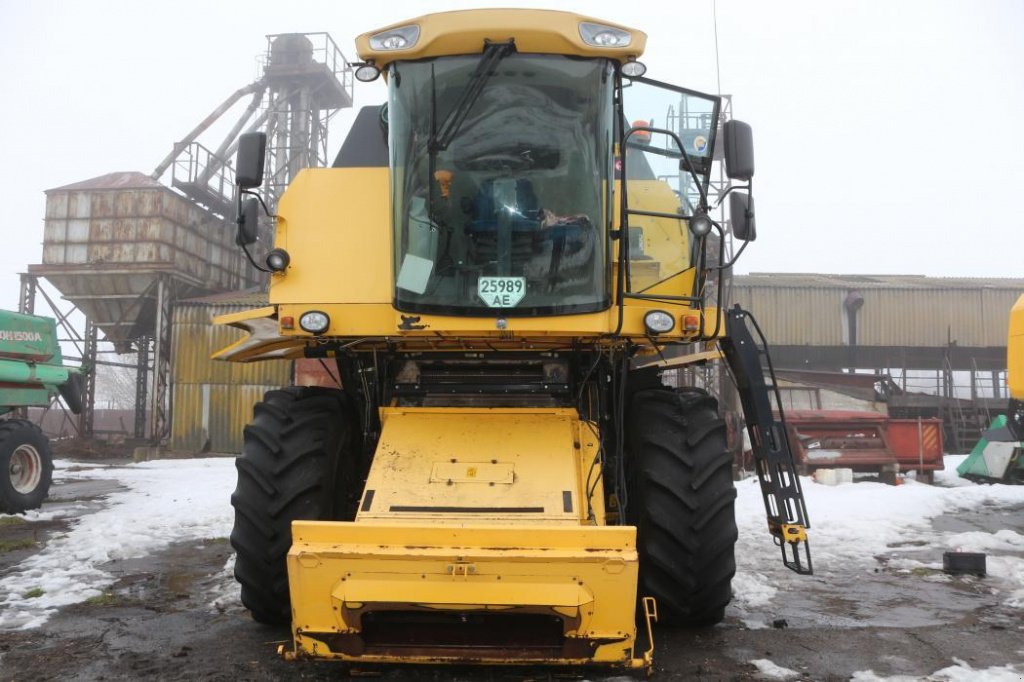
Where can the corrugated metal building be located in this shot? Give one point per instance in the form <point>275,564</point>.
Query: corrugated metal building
<point>890,320</point>
<point>212,400</point>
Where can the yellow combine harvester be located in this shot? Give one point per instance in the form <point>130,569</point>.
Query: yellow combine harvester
<point>499,264</point>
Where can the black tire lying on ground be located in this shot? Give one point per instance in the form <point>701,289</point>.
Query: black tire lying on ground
<point>295,465</point>
<point>682,499</point>
<point>26,466</point>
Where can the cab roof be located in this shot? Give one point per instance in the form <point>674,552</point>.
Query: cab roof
<point>534,31</point>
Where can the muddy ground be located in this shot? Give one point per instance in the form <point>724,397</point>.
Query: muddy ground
<point>157,621</point>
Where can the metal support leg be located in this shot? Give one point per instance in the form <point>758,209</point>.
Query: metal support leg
<point>141,386</point>
<point>158,422</point>
<point>85,419</point>
<point>27,300</point>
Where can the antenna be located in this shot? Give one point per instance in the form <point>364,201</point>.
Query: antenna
<point>718,73</point>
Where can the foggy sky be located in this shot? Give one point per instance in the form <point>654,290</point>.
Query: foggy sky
<point>888,135</point>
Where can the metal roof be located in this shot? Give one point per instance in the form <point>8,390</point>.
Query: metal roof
<point>831,281</point>
<point>122,180</point>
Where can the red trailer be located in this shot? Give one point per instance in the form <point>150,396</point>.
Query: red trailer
<point>866,442</point>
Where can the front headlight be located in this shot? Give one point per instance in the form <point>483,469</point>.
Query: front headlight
<point>658,322</point>
<point>401,38</point>
<point>600,35</point>
<point>315,322</point>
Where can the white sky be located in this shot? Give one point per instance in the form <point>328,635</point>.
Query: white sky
<point>888,134</point>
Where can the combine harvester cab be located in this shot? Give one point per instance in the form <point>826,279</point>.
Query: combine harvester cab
<point>498,267</point>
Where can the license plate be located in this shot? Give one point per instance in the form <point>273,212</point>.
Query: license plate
<point>501,292</point>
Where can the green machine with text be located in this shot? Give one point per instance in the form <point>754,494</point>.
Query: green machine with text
<point>32,372</point>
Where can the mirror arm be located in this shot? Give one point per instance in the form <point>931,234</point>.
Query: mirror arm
<point>256,265</point>
<point>266,210</point>
<point>749,187</point>
<point>735,257</point>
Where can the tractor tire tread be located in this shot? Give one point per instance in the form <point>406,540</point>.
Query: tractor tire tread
<point>682,501</point>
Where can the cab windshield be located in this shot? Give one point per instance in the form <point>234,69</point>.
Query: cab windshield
<point>508,215</point>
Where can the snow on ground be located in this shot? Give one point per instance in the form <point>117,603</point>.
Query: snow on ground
<point>164,502</point>
<point>179,500</point>
<point>768,670</point>
<point>961,672</point>
<point>852,523</point>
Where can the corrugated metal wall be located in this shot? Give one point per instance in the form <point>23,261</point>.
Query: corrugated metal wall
<point>795,316</point>
<point>212,400</point>
<point>798,310</point>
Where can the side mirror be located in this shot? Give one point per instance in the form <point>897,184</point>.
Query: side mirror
<point>738,150</point>
<point>741,215</point>
<point>248,222</point>
<point>252,150</point>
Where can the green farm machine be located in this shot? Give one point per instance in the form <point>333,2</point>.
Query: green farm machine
<point>32,372</point>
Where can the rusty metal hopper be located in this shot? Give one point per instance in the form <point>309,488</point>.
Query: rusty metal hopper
<point>108,241</point>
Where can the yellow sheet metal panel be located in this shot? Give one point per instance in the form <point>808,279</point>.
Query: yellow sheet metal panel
<point>186,422</point>
<point>211,417</point>
<point>212,401</point>
<point>536,31</point>
<point>194,338</point>
<point>585,578</point>
<point>230,410</point>
<point>475,466</point>
<point>1015,356</point>
<point>334,222</point>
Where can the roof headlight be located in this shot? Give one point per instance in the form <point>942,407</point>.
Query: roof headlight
<point>315,322</point>
<point>600,35</point>
<point>633,69</point>
<point>658,322</point>
<point>366,73</point>
<point>401,38</point>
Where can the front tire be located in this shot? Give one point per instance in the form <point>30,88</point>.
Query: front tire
<point>682,500</point>
<point>26,466</point>
<point>297,463</point>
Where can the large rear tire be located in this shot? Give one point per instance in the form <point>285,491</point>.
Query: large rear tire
<point>299,462</point>
<point>682,500</point>
<point>26,466</point>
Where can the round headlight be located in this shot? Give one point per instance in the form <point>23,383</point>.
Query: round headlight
<point>367,73</point>
<point>700,224</point>
<point>633,69</point>
<point>278,260</point>
<point>658,322</point>
<point>315,322</point>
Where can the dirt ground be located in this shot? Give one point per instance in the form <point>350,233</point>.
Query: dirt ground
<point>157,622</point>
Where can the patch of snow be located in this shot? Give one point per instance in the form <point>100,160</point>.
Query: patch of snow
<point>948,476</point>
<point>979,541</point>
<point>960,672</point>
<point>226,592</point>
<point>752,589</point>
<point>853,524</point>
<point>165,502</point>
<point>773,671</point>
<point>58,512</point>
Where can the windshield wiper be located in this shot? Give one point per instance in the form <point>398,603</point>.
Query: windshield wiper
<point>493,53</point>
